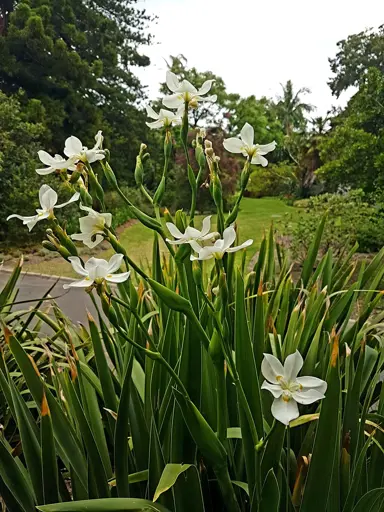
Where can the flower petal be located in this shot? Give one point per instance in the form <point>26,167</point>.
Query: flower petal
<point>192,233</point>
<point>247,134</point>
<point>259,160</point>
<point>312,382</point>
<point>206,225</point>
<point>115,263</point>
<point>211,99</point>
<point>46,158</point>
<point>245,244</point>
<point>45,171</point>
<point>172,81</point>
<point>206,87</point>
<point>117,278</point>
<point>308,397</point>
<point>275,389</point>
<point>284,411</point>
<point>77,266</point>
<point>263,149</point>
<point>186,86</point>
<point>151,113</point>
<point>74,198</point>
<point>82,283</point>
<point>271,368</point>
<point>229,236</point>
<point>205,253</point>
<point>174,230</point>
<point>47,197</point>
<point>173,101</point>
<point>292,365</point>
<point>210,236</point>
<point>155,124</point>
<point>73,146</point>
<point>233,145</point>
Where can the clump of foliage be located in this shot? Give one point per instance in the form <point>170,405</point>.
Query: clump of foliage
<point>159,403</point>
<point>351,219</point>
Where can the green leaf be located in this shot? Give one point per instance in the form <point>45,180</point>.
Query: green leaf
<point>168,477</point>
<point>270,495</point>
<point>48,457</point>
<point>302,420</point>
<point>242,485</point>
<point>310,260</point>
<point>320,470</point>
<point>371,501</point>
<point>234,433</point>
<point>105,505</point>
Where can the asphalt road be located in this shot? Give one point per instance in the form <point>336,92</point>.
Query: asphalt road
<point>73,302</point>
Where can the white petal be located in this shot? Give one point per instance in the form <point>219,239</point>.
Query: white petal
<point>275,389</point>
<point>108,219</point>
<point>186,86</point>
<point>292,365</point>
<point>206,253</point>
<point>151,113</point>
<point>155,124</point>
<point>312,382</point>
<point>210,236</point>
<point>206,225</point>
<point>247,134</point>
<point>211,99</point>
<point>195,246</point>
<point>74,198</point>
<point>77,266</point>
<point>93,155</point>
<point>174,230</point>
<point>73,146</point>
<point>259,160</point>
<point>172,81</point>
<point>308,397</point>
<point>117,278</point>
<point>31,223</point>
<point>115,263</point>
<point>245,244</point>
<point>82,283</point>
<point>263,149</point>
<point>284,411</point>
<point>98,140</point>
<point>173,101</point>
<point>176,242</point>
<point>271,368</point>
<point>46,158</point>
<point>87,239</point>
<point>45,171</point>
<point>229,236</point>
<point>192,233</point>
<point>233,145</point>
<point>97,268</point>
<point>48,197</point>
<point>206,87</point>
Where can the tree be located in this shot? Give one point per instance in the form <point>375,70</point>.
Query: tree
<point>291,108</point>
<point>356,55</point>
<point>75,57</point>
<point>353,151</point>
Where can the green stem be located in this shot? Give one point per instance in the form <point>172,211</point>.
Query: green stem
<point>146,193</point>
<point>288,497</point>
<point>222,406</point>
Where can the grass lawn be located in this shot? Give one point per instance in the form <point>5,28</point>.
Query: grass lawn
<point>254,218</point>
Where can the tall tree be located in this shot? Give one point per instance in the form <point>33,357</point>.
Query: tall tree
<point>356,55</point>
<point>75,57</point>
<point>291,107</point>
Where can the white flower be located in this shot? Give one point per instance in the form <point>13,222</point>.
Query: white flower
<point>97,270</point>
<point>191,234</point>
<point>92,227</point>
<point>185,92</point>
<point>287,388</point>
<point>220,247</point>
<point>48,200</point>
<point>164,118</point>
<point>54,163</point>
<point>75,150</point>
<point>246,146</point>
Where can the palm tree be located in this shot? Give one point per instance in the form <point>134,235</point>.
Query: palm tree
<point>291,108</point>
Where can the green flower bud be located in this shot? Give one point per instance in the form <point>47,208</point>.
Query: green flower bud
<point>108,309</point>
<point>74,176</point>
<point>139,171</point>
<point>159,194</point>
<point>145,219</point>
<point>95,186</point>
<point>167,216</point>
<point>109,175</point>
<point>180,220</point>
<point>170,298</point>
<point>223,287</point>
<point>86,197</point>
<point>64,239</point>
<point>200,157</point>
<point>168,145</point>
<point>49,246</point>
<point>215,350</point>
<point>196,273</point>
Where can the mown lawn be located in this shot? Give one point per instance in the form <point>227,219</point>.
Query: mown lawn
<point>255,217</point>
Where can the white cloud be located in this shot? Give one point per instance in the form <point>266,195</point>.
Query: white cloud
<point>253,46</point>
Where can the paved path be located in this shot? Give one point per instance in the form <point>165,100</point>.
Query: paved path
<point>74,302</point>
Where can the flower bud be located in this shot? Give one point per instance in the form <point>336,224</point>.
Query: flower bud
<point>109,175</point>
<point>180,220</point>
<point>215,350</point>
<point>191,178</point>
<point>143,147</point>
<point>86,197</point>
<point>95,186</point>
<point>200,157</point>
<point>167,216</point>
<point>48,245</point>
<point>196,273</point>
<point>75,176</point>
<point>207,144</point>
<point>64,239</point>
<point>159,194</point>
<point>139,171</point>
<point>109,312</point>
<point>145,219</point>
<point>170,298</point>
<point>223,287</point>
<point>168,145</point>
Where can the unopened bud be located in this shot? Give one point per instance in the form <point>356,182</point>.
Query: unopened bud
<point>180,220</point>
<point>139,171</point>
<point>196,272</point>
<point>49,246</point>
<point>143,147</point>
<point>207,144</point>
<point>159,194</point>
<point>86,197</point>
<point>109,175</point>
<point>167,216</point>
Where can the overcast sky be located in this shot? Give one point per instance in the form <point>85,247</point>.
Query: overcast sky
<point>254,46</point>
